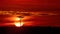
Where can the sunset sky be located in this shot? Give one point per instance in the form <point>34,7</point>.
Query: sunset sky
<point>35,5</point>
<point>30,4</point>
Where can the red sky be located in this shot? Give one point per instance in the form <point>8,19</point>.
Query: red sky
<point>30,4</point>
<point>35,5</point>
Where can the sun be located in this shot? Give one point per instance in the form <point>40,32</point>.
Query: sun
<point>18,24</point>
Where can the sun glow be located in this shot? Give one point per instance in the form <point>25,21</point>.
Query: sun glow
<point>17,18</point>
<point>18,24</point>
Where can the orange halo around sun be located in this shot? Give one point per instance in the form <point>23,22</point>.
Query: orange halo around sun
<point>17,18</point>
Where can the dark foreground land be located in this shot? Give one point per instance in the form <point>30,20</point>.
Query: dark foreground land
<point>29,30</point>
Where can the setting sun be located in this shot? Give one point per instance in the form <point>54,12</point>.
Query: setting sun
<point>18,24</point>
